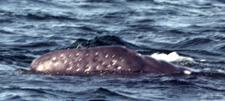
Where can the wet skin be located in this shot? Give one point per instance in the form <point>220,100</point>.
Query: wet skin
<point>100,59</point>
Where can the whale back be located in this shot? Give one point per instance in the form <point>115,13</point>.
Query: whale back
<point>78,61</point>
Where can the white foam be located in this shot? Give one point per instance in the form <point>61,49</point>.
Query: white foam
<point>203,60</point>
<point>221,71</point>
<point>173,56</point>
<point>187,72</point>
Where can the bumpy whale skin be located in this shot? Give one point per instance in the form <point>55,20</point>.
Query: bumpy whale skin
<point>100,59</point>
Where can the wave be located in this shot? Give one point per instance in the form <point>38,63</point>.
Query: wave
<point>46,16</point>
<point>102,41</point>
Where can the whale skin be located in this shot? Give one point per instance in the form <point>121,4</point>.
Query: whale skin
<point>100,60</point>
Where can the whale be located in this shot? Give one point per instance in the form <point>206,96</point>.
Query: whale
<point>102,60</point>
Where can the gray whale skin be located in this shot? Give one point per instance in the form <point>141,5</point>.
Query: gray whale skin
<point>116,59</point>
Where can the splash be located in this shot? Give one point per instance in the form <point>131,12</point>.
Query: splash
<point>171,57</point>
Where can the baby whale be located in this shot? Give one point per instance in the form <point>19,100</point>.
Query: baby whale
<point>110,59</point>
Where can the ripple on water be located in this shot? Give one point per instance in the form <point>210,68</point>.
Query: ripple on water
<point>31,28</point>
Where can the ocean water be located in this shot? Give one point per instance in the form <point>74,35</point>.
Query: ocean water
<point>191,28</point>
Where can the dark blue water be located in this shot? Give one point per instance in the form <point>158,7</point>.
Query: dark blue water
<point>193,28</point>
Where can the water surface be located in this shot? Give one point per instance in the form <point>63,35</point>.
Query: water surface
<point>193,28</point>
